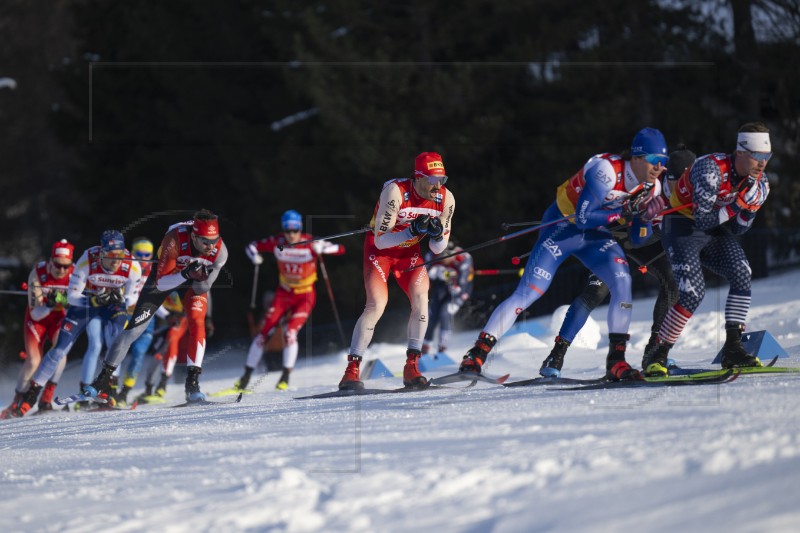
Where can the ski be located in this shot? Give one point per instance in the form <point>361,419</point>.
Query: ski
<point>553,381</point>
<point>769,368</point>
<point>106,407</point>
<point>370,392</point>
<point>468,376</point>
<point>80,397</point>
<point>730,375</point>
<point>150,399</point>
<point>210,402</point>
<point>229,392</point>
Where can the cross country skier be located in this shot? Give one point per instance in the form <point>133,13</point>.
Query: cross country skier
<point>408,209</point>
<point>597,195</point>
<point>191,256</point>
<point>47,306</point>
<point>101,288</point>
<point>726,191</point>
<point>142,252</point>
<point>651,255</point>
<point>297,273</point>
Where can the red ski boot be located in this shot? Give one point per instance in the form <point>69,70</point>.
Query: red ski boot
<point>352,376</point>
<point>412,378</point>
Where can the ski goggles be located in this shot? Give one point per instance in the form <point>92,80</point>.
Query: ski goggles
<point>759,156</point>
<point>142,255</point>
<point>656,159</point>
<point>440,179</point>
<point>206,242</point>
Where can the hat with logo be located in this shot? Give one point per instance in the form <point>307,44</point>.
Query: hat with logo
<point>428,164</point>
<point>63,249</point>
<point>291,220</point>
<point>112,240</point>
<point>649,141</point>
<point>208,228</point>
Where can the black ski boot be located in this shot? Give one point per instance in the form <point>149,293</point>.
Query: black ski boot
<point>476,356</point>
<point>192,387</point>
<point>243,381</point>
<point>103,385</point>
<point>654,362</point>
<point>161,389</point>
<point>283,383</point>
<point>617,369</point>
<point>551,366</point>
<point>733,353</point>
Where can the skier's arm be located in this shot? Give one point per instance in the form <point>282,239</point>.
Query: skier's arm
<point>77,282</point>
<point>386,218</point>
<point>589,209</point>
<point>446,218</point>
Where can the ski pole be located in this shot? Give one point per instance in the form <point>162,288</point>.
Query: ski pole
<point>333,300</point>
<point>251,322</point>
<point>328,238</point>
<point>639,190</point>
<point>498,272</point>
<point>496,240</point>
<point>505,225</point>
<point>18,293</point>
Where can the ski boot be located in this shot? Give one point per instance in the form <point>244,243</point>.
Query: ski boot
<point>242,383</point>
<point>473,361</point>
<point>6,413</point>
<point>121,397</point>
<point>412,378</point>
<point>733,353</point>
<point>655,362</point>
<point>352,375</point>
<point>46,401</point>
<point>102,387</point>
<point>283,383</point>
<point>551,366</point>
<point>617,369</point>
<point>192,387</point>
<point>161,389</point>
<point>27,400</point>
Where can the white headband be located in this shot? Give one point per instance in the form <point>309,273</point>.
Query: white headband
<point>753,141</point>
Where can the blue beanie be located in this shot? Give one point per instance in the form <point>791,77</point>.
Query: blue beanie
<point>291,219</point>
<point>649,141</point>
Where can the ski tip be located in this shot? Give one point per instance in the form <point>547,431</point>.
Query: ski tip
<point>502,379</point>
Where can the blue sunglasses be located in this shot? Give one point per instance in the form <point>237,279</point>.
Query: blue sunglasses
<point>655,159</point>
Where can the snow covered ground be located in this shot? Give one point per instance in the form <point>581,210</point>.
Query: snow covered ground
<point>711,458</point>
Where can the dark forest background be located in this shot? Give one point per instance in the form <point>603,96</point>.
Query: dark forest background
<point>132,115</point>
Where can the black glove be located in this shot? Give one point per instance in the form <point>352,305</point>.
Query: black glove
<point>101,299</point>
<point>419,226</point>
<point>50,300</point>
<point>196,271</point>
<point>435,230</point>
<point>116,297</point>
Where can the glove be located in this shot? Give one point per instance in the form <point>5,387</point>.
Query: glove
<point>257,259</point>
<point>50,299</point>
<point>635,202</point>
<point>209,327</point>
<point>196,271</point>
<point>116,297</point>
<point>419,226</point>
<point>101,299</point>
<point>317,247</point>
<point>453,307</point>
<point>755,194</point>
<point>651,209</point>
<point>435,230</point>
<point>455,290</point>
